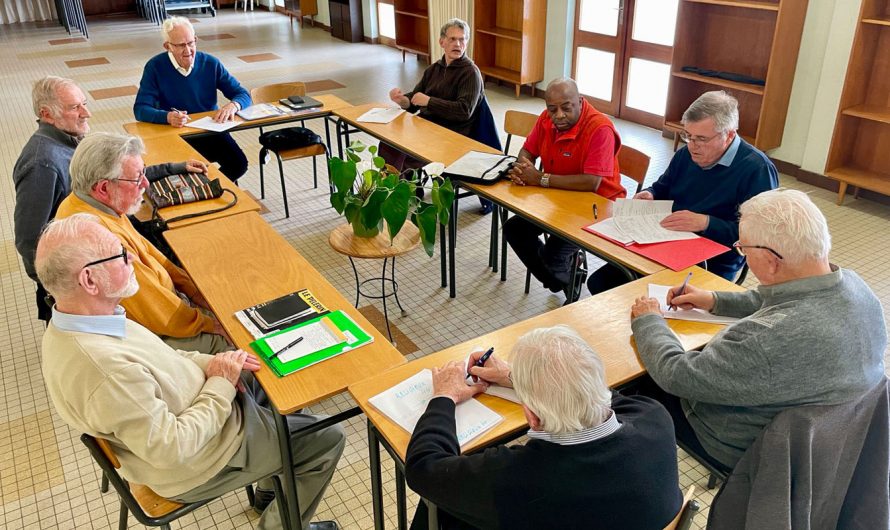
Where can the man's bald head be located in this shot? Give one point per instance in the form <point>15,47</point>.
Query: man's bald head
<point>68,244</point>
<point>564,103</point>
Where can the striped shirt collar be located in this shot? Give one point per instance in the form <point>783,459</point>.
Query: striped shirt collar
<point>112,325</point>
<point>579,437</point>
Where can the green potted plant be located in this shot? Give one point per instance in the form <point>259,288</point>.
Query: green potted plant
<point>369,192</point>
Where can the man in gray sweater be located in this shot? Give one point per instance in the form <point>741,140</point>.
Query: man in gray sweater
<point>811,334</point>
<point>41,175</point>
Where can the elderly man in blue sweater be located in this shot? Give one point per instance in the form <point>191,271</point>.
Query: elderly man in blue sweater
<point>184,80</point>
<point>708,180</point>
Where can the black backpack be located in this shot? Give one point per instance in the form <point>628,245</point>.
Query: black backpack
<point>289,138</point>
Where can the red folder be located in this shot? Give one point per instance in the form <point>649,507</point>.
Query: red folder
<point>675,255</point>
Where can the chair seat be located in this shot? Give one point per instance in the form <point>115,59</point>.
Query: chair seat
<point>153,504</point>
<point>301,152</point>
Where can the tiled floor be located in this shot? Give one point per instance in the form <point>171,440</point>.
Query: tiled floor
<point>47,480</point>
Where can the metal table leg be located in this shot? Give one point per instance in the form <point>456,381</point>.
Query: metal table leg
<point>376,479</point>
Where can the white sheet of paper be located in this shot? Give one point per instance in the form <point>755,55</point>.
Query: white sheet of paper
<point>607,228</point>
<point>380,115</point>
<point>406,402</point>
<point>640,220</point>
<point>660,292</point>
<point>206,123</point>
<point>316,336</point>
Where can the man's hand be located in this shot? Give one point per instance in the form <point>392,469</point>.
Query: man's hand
<point>685,221</point>
<point>645,195</point>
<point>226,112</point>
<point>643,306</point>
<point>451,381</point>
<point>420,99</point>
<point>692,297</point>
<point>196,166</point>
<point>228,365</point>
<point>178,118</point>
<point>399,98</point>
<point>524,173</point>
<point>494,371</point>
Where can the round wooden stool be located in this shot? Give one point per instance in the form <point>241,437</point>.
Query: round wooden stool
<point>344,241</point>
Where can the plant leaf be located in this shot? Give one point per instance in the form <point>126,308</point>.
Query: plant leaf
<point>425,219</point>
<point>352,209</point>
<point>342,173</point>
<point>379,163</point>
<point>443,200</point>
<point>370,213</point>
<point>395,208</point>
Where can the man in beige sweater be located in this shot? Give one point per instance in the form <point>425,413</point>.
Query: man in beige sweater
<point>189,425</point>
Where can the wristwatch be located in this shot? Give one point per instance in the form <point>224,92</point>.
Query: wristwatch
<point>545,180</point>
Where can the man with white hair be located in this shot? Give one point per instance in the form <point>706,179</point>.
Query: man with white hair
<point>188,425</point>
<point>183,80</point>
<point>708,179</point>
<point>107,180</point>
<point>41,175</point>
<point>812,333</point>
<point>594,459</point>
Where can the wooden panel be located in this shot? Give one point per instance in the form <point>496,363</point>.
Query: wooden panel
<point>413,32</point>
<point>871,146</point>
<point>508,14</point>
<point>682,92</point>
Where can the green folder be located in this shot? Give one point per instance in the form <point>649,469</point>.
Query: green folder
<point>356,337</point>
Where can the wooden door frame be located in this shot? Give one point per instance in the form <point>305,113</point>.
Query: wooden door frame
<point>598,41</point>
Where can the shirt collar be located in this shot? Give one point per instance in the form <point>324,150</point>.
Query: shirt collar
<point>89,199</point>
<point>184,71</point>
<point>51,131</point>
<point>729,154</point>
<point>112,325</point>
<point>579,437</point>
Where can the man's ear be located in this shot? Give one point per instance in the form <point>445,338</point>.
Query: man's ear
<point>533,420</point>
<point>87,281</point>
<point>167,46</point>
<point>101,190</point>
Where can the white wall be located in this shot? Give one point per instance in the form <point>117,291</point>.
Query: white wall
<point>558,40</point>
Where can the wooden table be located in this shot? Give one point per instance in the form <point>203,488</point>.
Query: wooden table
<point>602,320</point>
<point>239,261</point>
<point>561,212</point>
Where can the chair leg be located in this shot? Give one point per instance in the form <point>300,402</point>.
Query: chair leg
<point>262,183</point>
<point>283,188</point>
<point>712,481</point>
<point>251,498</point>
<point>314,174</point>
<point>104,487</point>
<point>122,517</point>
<point>528,280</point>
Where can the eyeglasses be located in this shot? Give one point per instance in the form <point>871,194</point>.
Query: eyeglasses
<point>184,45</point>
<point>699,140</point>
<point>123,255</point>
<point>136,180</point>
<point>741,249</point>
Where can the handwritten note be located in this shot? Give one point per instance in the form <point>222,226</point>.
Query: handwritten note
<point>660,292</point>
<point>406,402</point>
<point>640,221</point>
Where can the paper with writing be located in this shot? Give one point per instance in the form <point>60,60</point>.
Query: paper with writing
<point>640,220</point>
<point>660,292</point>
<point>206,123</point>
<point>380,115</point>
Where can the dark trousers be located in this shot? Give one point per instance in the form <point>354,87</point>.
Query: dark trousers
<point>224,149</point>
<point>550,262</point>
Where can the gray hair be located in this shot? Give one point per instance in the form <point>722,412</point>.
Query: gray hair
<point>455,23</point>
<point>65,246</point>
<point>45,94</point>
<point>99,157</point>
<point>172,23</point>
<point>717,105</point>
<point>561,379</point>
<point>788,222</point>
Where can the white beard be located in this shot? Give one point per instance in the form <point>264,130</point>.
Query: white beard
<point>128,290</point>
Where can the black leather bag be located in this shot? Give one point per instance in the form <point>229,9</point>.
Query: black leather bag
<point>289,138</point>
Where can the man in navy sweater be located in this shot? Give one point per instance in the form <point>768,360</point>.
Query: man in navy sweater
<point>594,459</point>
<point>184,80</point>
<point>708,180</point>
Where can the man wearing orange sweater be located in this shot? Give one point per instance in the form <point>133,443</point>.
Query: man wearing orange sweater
<point>107,180</point>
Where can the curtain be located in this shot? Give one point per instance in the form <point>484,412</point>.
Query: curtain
<point>26,10</point>
<point>440,12</point>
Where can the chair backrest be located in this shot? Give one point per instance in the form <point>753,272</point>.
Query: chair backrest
<point>519,123</point>
<point>687,511</point>
<point>272,93</point>
<point>634,164</point>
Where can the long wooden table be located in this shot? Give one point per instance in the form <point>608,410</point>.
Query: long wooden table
<point>602,320</point>
<point>561,212</point>
<point>239,261</point>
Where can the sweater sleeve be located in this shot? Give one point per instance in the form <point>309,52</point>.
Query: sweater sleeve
<point>460,109</point>
<point>159,171</point>
<point>129,405</point>
<point>35,192</point>
<point>419,87</point>
<point>230,87</point>
<point>737,305</point>
<point>436,470</point>
<point>732,369</point>
<point>147,107</point>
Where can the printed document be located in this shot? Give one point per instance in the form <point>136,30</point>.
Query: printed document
<point>660,292</point>
<point>206,123</point>
<point>380,115</point>
<point>406,402</point>
<point>640,220</point>
<point>316,337</point>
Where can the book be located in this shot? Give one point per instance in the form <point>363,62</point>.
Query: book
<point>406,402</point>
<point>307,103</point>
<point>260,110</point>
<point>309,342</point>
<point>280,313</point>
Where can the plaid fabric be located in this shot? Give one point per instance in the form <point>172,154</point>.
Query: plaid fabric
<point>184,188</point>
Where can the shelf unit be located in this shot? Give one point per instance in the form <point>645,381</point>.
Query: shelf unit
<point>859,154</point>
<point>509,40</point>
<point>755,38</point>
<point>413,27</point>
<point>301,8</point>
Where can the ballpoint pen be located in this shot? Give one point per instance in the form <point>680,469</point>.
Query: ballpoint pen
<point>595,213</point>
<point>174,109</point>
<point>289,346</point>
<point>481,360</point>
<point>682,289</point>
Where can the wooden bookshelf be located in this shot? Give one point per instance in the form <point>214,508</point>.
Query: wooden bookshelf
<point>755,38</point>
<point>301,8</point>
<point>509,40</point>
<point>859,154</point>
<point>413,27</point>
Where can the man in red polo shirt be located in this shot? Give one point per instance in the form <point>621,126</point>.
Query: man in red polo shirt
<point>578,147</point>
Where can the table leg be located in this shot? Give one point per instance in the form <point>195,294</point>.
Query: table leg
<point>452,241</point>
<point>327,133</point>
<point>376,480</point>
<point>340,137</point>
<point>290,517</point>
<point>493,240</point>
<point>443,254</point>
<point>504,213</point>
<point>401,497</point>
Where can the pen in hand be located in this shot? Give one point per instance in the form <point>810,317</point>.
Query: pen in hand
<point>681,291</point>
<point>184,113</point>
<point>480,362</point>
<point>289,346</point>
